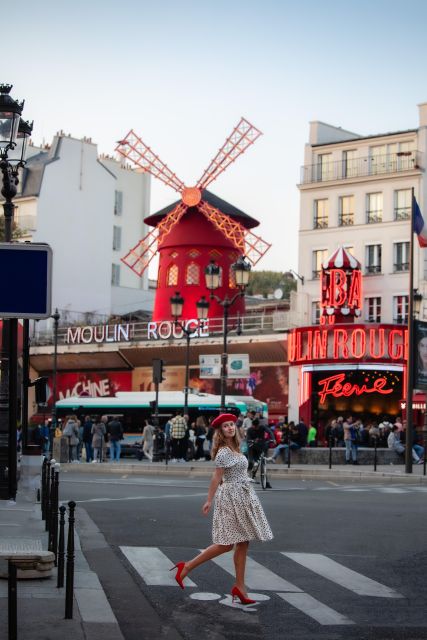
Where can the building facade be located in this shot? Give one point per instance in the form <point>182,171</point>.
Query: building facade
<point>355,193</point>
<point>90,210</point>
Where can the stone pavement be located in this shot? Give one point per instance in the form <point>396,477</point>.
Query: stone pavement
<point>41,605</point>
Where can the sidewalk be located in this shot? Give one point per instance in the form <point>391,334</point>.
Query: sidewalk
<point>353,473</point>
<point>41,605</point>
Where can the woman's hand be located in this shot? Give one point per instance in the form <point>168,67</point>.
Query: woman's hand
<point>206,507</point>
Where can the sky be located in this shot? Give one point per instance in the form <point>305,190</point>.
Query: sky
<point>181,74</point>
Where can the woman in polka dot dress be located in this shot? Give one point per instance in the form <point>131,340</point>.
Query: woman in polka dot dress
<point>238,515</point>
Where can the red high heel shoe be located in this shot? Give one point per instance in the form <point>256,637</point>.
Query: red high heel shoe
<point>179,567</point>
<point>236,593</point>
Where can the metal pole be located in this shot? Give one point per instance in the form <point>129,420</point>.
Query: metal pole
<point>43,486</point>
<point>375,453</point>
<point>69,582</point>
<point>289,449</point>
<point>61,547</point>
<point>409,364</point>
<point>12,601</point>
<point>425,439</point>
<point>330,451</point>
<point>13,406</point>
<point>187,369</point>
<point>224,356</point>
<point>25,382</point>
<point>55,317</point>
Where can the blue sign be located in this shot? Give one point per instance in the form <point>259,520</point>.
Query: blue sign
<point>25,280</point>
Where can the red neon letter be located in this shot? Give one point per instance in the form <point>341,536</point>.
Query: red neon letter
<point>395,351</point>
<point>337,288</point>
<point>381,343</point>
<point>340,344</point>
<point>355,294</point>
<point>358,336</point>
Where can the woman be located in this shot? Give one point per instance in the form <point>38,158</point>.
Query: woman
<point>71,431</point>
<point>238,515</point>
<point>200,434</point>
<point>148,439</point>
<point>98,436</point>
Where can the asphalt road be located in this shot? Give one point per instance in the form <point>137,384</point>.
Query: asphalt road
<point>347,560</point>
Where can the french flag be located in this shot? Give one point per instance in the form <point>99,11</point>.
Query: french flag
<point>420,227</point>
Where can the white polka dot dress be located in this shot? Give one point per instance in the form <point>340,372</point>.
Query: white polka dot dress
<point>238,514</point>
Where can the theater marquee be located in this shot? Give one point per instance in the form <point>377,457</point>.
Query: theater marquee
<point>366,343</point>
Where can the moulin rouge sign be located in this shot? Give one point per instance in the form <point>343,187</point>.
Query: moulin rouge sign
<point>311,345</point>
<point>337,387</point>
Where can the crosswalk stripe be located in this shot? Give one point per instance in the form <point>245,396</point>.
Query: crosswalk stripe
<point>257,576</point>
<point>317,610</point>
<point>393,490</point>
<point>347,578</point>
<point>153,566</point>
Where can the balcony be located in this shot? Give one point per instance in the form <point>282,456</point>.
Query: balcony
<point>402,213</point>
<point>346,220</point>
<point>372,269</point>
<point>373,217</point>
<point>361,167</point>
<point>320,223</point>
<point>401,267</point>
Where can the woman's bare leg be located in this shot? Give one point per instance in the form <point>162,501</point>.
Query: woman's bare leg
<point>239,558</point>
<point>207,554</point>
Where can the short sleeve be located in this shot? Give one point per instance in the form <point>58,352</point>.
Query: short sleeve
<point>225,458</point>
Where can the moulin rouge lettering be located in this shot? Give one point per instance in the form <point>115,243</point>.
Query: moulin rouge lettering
<point>333,386</point>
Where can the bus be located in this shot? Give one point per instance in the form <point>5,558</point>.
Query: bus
<point>133,408</point>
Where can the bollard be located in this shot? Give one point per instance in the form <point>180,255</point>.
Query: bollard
<point>49,471</point>
<point>289,450</point>
<point>69,581</point>
<point>375,453</point>
<point>12,609</point>
<point>43,488</point>
<point>330,451</point>
<point>61,547</point>
<point>53,529</point>
<point>51,481</point>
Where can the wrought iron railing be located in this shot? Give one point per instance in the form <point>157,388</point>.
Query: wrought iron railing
<point>278,321</point>
<point>320,223</point>
<point>361,167</point>
<point>346,220</point>
<point>402,213</point>
<point>372,268</point>
<point>401,266</point>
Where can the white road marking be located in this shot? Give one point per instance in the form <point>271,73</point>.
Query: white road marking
<point>257,576</point>
<point>393,490</point>
<point>338,573</point>
<point>153,566</point>
<point>168,496</point>
<point>320,612</point>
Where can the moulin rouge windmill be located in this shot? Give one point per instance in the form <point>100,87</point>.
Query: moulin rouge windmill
<point>195,230</point>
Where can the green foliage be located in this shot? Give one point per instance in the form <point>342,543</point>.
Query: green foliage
<point>17,232</point>
<point>265,283</point>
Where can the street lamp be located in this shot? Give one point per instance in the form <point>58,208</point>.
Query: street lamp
<point>56,316</point>
<point>14,133</point>
<point>177,304</point>
<point>241,269</point>
<point>418,298</point>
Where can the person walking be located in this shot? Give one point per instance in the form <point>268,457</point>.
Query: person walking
<point>87,438</point>
<point>238,515</point>
<point>115,434</point>
<point>178,437</point>
<point>350,440</point>
<point>71,431</point>
<point>200,432</point>
<point>98,435</point>
<point>148,437</point>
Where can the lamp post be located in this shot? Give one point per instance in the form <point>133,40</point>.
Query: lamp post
<point>241,269</point>
<point>14,133</point>
<point>177,304</point>
<point>414,308</point>
<point>56,316</point>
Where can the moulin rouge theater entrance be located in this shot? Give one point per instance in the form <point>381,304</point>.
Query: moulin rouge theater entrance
<point>344,367</point>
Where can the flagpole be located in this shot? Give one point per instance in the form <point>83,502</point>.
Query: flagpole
<point>409,364</point>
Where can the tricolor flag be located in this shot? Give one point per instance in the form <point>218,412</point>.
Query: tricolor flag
<point>420,227</point>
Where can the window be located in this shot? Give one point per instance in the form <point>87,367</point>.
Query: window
<point>374,208</point>
<point>373,258</point>
<point>378,159</point>
<point>315,312</point>
<point>349,163</point>
<point>346,211</point>
<point>118,203</point>
<point>402,204</point>
<point>321,214</point>
<point>401,256</point>
<point>192,275</point>
<point>117,238</point>
<point>319,258</point>
<point>400,309</point>
<point>115,275</point>
<point>172,277</point>
<point>373,309</point>
<point>325,166</point>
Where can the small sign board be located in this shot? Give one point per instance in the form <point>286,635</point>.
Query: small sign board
<point>26,281</point>
<point>237,366</point>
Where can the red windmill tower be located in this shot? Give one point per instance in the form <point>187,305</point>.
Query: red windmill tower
<point>195,230</point>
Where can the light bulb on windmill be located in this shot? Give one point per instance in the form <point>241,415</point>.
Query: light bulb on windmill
<point>199,228</point>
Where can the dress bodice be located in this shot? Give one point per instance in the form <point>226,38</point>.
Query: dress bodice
<point>235,465</point>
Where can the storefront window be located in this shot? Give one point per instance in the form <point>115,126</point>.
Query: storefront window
<point>400,309</point>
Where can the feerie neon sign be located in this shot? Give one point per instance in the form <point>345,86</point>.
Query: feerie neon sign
<point>336,387</point>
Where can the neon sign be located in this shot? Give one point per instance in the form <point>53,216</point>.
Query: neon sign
<point>341,292</point>
<point>347,342</point>
<point>336,387</point>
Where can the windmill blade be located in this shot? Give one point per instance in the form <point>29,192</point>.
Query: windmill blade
<point>242,136</point>
<point>140,256</point>
<point>250,245</point>
<point>135,150</point>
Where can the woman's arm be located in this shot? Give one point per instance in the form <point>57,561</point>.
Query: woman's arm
<point>216,479</point>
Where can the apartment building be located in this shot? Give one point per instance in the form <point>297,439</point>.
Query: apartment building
<point>90,209</point>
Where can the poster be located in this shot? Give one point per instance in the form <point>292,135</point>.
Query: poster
<point>142,379</point>
<point>420,355</point>
<point>90,384</point>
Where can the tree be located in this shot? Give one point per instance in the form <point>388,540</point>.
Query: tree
<point>266,282</point>
<point>17,232</point>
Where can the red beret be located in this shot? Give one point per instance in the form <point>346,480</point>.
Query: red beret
<point>223,417</point>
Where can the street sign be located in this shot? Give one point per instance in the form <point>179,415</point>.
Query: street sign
<point>26,280</point>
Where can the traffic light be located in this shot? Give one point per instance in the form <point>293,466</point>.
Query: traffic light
<point>158,371</point>
<point>40,387</point>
